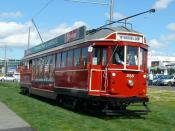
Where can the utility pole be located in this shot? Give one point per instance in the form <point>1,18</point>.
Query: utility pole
<point>29,38</point>
<point>5,62</point>
<point>111,9</point>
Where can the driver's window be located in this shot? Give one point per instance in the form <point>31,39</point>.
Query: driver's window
<point>132,55</point>
<point>117,55</point>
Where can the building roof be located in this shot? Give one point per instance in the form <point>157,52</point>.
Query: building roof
<point>161,58</point>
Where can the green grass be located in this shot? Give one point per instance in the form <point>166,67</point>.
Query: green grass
<point>44,115</point>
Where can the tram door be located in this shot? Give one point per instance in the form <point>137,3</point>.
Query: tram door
<point>99,61</point>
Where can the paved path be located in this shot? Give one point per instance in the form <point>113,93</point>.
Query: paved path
<point>9,121</point>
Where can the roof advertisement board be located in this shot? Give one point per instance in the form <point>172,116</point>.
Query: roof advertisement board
<point>73,35</point>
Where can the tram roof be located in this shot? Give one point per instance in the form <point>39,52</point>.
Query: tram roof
<point>104,32</point>
<point>80,34</point>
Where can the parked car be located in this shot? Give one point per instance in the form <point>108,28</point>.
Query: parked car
<point>172,81</point>
<point>17,76</point>
<point>156,78</point>
<point>166,80</point>
<point>8,77</point>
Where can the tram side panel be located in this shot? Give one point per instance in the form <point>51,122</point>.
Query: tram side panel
<point>25,78</point>
<point>71,82</point>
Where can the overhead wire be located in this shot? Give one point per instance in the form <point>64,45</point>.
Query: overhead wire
<point>86,1</point>
<point>37,14</point>
<point>43,8</point>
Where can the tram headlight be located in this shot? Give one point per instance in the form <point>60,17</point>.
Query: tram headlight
<point>113,74</point>
<point>130,83</point>
<point>144,76</point>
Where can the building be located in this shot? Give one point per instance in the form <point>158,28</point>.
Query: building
<point>161,63</point>
<point>11,65</point>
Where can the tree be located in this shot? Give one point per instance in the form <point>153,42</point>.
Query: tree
<point>171,71</point>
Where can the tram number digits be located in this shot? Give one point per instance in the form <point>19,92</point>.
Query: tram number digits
<point>130,75</point>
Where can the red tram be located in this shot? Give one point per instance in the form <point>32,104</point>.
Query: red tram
<point>106,67</point>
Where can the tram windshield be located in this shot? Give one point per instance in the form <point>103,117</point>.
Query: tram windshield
<point>118,55</point>
<point>133,56</point>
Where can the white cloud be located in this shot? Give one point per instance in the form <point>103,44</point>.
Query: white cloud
<point>63,28</point>
<point>163,45</point>
<point>154,43</point>
<point>162,4</point>
<point>167,38</point>
<point>16,34</point>
<point>17,14</point>
<point>156,53</point>
<point>116,15</point>
<point>9,28</point>
<point>171,26</point>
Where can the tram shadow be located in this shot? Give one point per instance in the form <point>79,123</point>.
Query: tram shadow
<point>98,113</point>
<point>40,98</point>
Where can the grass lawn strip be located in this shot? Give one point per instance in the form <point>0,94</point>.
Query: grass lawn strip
<point>44,115</point>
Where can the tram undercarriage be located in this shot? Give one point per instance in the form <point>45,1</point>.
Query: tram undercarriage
<point>94,106</point>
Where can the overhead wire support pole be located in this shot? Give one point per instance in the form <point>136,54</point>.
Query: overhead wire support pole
<point>37,31</point>
<point>29,38</point>
<point>111,6</point>
<point>5,61</point>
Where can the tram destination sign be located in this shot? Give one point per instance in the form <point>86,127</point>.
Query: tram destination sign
<point>71,36</point>
<point>130,38</point>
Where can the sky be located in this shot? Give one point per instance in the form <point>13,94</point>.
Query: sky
<point>61,16</point>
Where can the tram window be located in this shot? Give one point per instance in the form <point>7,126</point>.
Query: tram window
<point>85,55</point>
<point>37,68</point>
<point>40,68</point>
<point>132,55</point>
<point>63,63</point>
<point>26,64</point>
<point>96,56</point>
<point>104,57</point>
<point>52,65</point>
<point>33,69</point>
<point>58,62</point>
<point>46,67</point>
<point>30,64</point>
<point>69,58</point>
<point>118,55</point>
<point>77,57</point>
<point>142,56</point>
